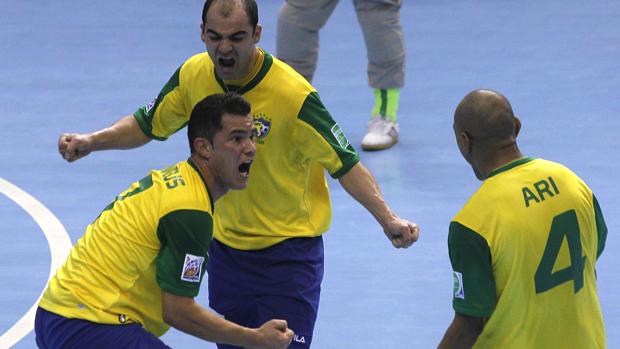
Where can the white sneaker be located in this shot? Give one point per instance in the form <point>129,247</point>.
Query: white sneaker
<point>382,134</point>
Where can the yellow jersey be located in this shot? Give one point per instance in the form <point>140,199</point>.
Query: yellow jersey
<point>297,141</point>
<point>523,251</point>
<point>154,236</point>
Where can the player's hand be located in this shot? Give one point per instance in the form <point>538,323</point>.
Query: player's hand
<point>401,232</point>
<point>275,335</point>
<point>73,146</point>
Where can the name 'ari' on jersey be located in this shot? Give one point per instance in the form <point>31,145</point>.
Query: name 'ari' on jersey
<point>523,250</point>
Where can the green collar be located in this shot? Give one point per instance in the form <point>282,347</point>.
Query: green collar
<point>510,166</point>
<point>267,62</point>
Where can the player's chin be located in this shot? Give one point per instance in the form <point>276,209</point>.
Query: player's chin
<point>240,183</point>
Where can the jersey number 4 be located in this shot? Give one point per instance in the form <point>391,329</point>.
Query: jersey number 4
<point>564,225</point>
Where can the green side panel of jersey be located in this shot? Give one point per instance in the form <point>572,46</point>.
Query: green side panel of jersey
<point>144,115</point>
<point>314,113</point>
<point>474,292</point>
<point>601,227</point>
<point>185,236</point>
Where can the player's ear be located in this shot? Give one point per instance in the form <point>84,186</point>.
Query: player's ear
<point>202,33</point>
<point>517,126</point>
<point>257,33</point>
<point>464,143</point>
<point>203,147</point>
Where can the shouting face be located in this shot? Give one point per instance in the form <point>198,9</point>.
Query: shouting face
<point>230,39</point>
<point>233,152</point>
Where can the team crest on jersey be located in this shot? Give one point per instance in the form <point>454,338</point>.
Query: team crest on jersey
<point>459,292</point>
<point>262,126</point>
<point>150,106</point>
<point>192,268</point>
<point>339,135</point>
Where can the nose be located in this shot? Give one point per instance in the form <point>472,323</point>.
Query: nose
<point>250,148</point>
<point>225,46</point>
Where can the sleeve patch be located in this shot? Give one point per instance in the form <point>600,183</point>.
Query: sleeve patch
<point>339,135</point>
<point>459,291</point>
<point>192,268</point>
<point>150,106</point>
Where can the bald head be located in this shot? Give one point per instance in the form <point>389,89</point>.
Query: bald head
<point>227,7</point>
<point>487,117</point>
<point>486,130</point>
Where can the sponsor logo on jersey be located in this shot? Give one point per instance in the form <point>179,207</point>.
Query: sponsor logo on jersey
<point>299,338</point>
<point>150,106</point>
<point>262,126</point>
<point>339,135</point>
<point>459,292</point>
<point>192,268</point>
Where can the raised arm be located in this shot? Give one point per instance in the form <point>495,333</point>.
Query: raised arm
<point>123,134</point>
<point>363,187</point>
<point>462,333</point>
<point>184,314</point>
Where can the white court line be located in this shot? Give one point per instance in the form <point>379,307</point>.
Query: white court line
<point>58,241</point>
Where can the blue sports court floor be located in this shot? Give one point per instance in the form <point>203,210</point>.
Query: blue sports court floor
<point>78,66</point>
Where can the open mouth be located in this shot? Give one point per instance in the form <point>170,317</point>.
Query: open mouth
<point>244,168</point>
<point>226,62</point>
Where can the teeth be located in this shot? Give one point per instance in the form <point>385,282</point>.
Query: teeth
<point>244,168</point>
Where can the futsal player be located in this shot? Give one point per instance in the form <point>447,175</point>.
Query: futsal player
<point>138,267</point>
<point>524,247</point>
<point>266,259</point>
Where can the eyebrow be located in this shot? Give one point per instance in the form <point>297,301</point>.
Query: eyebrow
<point>238,131</point>
<point>240,32</point>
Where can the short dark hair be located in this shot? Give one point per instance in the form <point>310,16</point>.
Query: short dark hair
<point>249,6</point>
<point>206,118</point>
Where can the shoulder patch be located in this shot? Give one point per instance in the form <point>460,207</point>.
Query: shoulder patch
<point>192,268</point>
<point>339,135</point>
<point>150,106</point>
<point>459,292</point>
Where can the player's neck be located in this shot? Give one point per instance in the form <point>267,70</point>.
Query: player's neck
<point>500,158</point>
<point>215,189</point>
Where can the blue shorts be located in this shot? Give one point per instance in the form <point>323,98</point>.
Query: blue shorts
<point>55,331</point>
<point>279,282</point>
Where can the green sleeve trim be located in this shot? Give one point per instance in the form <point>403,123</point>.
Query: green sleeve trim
<point>601,227</point>
<point>182,233</point>
<point>144,115</point>
<point>314,113</point>
<point>470,255</point>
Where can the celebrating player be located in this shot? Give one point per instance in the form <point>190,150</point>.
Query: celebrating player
<point>266,259</point>
<point>138,267</point>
